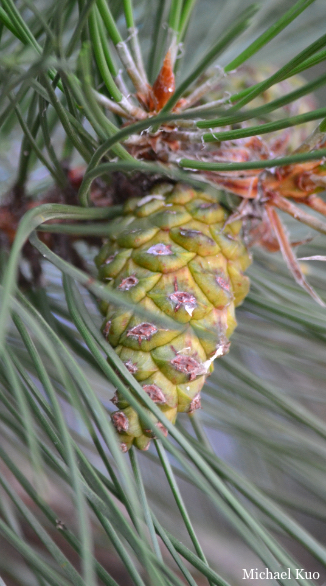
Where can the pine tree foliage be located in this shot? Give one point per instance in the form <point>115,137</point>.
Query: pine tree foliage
<point>238,484</point>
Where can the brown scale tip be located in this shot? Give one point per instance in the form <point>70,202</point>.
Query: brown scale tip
<point>161,427</point>
<point>150,433</point>
<point>230,237</point>
<point>222,347</point>
<point>120,421</point>
<point>132,367</point>
<point>195,234</point>
<point>182,298</point>
<point>189,233</point>
<point>160,249</point>
<point>110,259</point>
<point>223,283</point>
<point>115,399</point>
<point>128,282</point>
<point>188,365</point>
<point>206,205</point>
<point>143,332</point>
<point>155,393</point>
<point>106,329</point>
<point>195,404</point>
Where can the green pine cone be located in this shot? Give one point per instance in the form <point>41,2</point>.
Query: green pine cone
<point>171,255</point>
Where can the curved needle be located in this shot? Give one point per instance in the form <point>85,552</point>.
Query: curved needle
<point>290,208</point>
<point>288,254</point>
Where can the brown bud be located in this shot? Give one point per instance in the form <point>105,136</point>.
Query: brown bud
<point>164,85</point>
